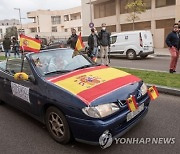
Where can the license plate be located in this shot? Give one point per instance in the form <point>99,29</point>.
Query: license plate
<point>132,114</point>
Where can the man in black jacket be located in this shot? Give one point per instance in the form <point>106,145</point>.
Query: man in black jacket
<point>72,39</point>
<point>93,44</point>
<point>7,46</point>
<point>104,39</point>
<point>172,42</point>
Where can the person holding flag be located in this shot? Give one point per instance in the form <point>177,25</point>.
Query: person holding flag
<point>72,39</point>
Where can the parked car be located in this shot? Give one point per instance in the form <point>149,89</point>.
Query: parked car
<point>72,96</point>
<point>132,44</point>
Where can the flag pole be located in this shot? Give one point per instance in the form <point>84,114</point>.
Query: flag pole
<point>22,57</point>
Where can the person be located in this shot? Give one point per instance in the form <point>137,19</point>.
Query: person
<point>104,38</point>
<point>93,43</point>
<point>72,39</point>
<point>172,42</point>
<point>7,46</point>
<point>15,47</point>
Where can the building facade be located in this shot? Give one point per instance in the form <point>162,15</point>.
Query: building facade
<point>159,17</point>
<point>5,24</point>
<point>56,24</point>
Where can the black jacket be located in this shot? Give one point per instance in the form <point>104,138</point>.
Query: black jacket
<point>104,38</point>
<point>7,44</point>
<point>72,41</point>
<point>91,42</point>
<point>173,40</point>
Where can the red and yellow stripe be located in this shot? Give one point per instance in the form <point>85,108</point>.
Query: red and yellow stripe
<point>132,104</point>
<point>92,83</point>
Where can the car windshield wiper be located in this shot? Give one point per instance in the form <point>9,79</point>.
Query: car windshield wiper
<point>56,72</point>
<point>84,66</point>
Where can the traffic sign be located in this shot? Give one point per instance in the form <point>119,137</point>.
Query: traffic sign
<point>91,24</point>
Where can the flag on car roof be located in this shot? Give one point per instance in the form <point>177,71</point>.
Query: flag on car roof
<point>153,92</point>
<point>29,44</point>
<point>132,104</point>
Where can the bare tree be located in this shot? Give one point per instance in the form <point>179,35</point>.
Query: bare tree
<point>135,8</point>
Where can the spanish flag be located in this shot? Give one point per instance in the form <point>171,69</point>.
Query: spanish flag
<point>79,44</point>
<point>153,92</point>
<point>29,44</point>
<point>132,104</point>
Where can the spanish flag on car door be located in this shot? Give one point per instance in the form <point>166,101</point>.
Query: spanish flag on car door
<point>132,104</point>
<point>153,92</point>
<point>29,44</point>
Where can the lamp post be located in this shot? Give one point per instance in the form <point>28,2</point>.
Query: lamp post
<point>19,17</point>
<point>90,11</point>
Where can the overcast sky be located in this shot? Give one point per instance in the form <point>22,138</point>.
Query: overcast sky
<point>7,7</point>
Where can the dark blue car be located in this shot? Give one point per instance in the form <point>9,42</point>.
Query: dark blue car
<point>72,96</point>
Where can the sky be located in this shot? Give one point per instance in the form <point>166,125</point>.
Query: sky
<point>7,10</point>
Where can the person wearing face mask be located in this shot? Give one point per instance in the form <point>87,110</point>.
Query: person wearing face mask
<point>93,44</point>
<point>72,39</point>
<point>104,39</point>
<point>172,42</point>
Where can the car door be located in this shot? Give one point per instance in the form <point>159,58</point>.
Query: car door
<point>21,94</point>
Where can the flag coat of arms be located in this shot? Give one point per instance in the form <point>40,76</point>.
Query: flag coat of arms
<point>153,92</point>
<point>29,44</point>
<point>132,104</point>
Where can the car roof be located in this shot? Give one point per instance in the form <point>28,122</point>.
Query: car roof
<point>130,32</point>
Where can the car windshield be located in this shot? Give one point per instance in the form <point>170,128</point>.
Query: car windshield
<point>59,61</point>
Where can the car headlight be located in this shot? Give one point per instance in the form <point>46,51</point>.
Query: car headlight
<point>143,89</point>
<point>101,111</point>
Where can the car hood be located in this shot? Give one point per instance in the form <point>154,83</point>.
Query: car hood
<point>94,83</point>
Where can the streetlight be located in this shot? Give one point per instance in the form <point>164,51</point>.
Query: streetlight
<point>19,17</point>
<point>90,11</point>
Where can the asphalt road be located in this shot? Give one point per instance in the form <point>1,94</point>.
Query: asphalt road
<point>21,134</point>
<point>151,63</point>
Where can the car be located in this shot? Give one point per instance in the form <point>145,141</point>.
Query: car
<point>132,44</point>
<point>72,96</point>
<point>1,47</point>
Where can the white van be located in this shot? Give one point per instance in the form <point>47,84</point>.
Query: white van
<point>132,44</point>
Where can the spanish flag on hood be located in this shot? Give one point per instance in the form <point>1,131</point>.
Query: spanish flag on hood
<point>29,44</point>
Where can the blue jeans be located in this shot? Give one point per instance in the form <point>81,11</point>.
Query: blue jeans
<point>7,52</point>
<point>94,52</point>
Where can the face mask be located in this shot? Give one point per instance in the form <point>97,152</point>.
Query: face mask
<point>103,28</point>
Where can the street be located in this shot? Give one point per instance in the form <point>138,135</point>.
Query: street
<point>150,63</point>
<point>22,134</point>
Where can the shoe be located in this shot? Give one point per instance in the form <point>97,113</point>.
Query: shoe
<point>171,71</point>
<point>174,71</point>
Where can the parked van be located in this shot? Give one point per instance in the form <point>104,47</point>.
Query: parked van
<point>132,44</point>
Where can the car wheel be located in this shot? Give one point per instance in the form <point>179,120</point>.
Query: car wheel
<point>57,125</point>
<point>143,56</point>
<point>131,54</point>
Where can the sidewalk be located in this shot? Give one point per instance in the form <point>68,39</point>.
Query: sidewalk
<point>164,52</point>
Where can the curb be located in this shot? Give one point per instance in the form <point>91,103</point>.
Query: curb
<point>161,55</point>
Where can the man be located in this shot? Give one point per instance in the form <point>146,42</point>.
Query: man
<point>7,46</point>
<point>15,47</point>
<point>93,44</point>
<point>172,42</point>
<point>104,38</point>
<point>72,39</point>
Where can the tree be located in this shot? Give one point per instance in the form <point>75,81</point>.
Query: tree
<point>11,31</point>
<point>136,7</point>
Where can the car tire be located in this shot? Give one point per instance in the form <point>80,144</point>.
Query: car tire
<point>57,125</point>
<point>131,54</point>
<point>143,56</point>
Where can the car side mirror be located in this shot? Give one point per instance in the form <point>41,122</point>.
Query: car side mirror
<point>21,76</point>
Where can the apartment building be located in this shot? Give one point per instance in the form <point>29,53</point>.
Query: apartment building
<point>159,17</point>
<point>5,24</point>
<point>56,24</point>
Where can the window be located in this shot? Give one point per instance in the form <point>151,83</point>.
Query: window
<point>66,17</point>
<point>165,23</point>
<point>137,26</point>
<point>33,30</point>
<point>104,9</point>
<point>56,20</point>
<point>66,30</point>
<point>123,4</point>
<point>163,3</point>
<point>54,29</point>
<point>113,39</point>
<point>0,30</point>
<point>79,29</point>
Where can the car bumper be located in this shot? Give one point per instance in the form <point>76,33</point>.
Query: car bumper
<point>89,131</point>
<point>141,53</point>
